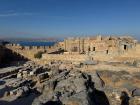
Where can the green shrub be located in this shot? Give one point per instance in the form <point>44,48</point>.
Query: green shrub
<point>38,55</point>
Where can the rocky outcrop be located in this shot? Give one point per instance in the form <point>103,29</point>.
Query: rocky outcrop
<point>72,88</point>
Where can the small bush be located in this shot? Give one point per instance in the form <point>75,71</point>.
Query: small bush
<point>38,55</point>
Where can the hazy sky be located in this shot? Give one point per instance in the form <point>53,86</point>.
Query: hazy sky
<point>61,18</point>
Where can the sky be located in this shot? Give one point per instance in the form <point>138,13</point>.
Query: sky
<point>63,18</point>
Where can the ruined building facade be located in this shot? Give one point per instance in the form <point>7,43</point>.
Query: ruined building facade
<point>99,44</point>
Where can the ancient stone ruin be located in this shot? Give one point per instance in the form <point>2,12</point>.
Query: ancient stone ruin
<point>54,84</point>
<point>105,45</point>
<point>68,73</point>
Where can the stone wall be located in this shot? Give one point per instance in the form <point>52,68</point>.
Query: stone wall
<point>30,51</point>
<point>26,51</point>
<point>19,47</point>
<point>64,57</point>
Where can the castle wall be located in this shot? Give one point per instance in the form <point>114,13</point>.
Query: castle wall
<point>30,51</point>
<point>25,51</point>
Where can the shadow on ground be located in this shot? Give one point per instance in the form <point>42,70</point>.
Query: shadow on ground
<point>21,101</point>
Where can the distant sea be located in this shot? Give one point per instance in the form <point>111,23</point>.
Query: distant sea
<point>27,43</point>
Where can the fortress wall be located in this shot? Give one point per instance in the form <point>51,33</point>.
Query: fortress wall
<point>64,57</point>
<point>29,54</point>
<point>17,46</point>
<point>26,51</point>
<point>30,51</point>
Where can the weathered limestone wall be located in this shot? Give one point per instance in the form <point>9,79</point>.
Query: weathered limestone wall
<point>64,57</point>
<point>30,51</point>
<point>27,52</point>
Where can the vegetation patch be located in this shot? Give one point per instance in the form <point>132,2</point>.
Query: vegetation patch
<point>38,55</point>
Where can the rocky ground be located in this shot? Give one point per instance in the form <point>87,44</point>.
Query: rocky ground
<point>58,84</point>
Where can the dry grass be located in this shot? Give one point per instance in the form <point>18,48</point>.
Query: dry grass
<point>73,103</point>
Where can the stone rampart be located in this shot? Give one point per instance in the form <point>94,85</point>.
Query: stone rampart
<point>27,51</point>
<point>17,46</point>
<point>30,51</point>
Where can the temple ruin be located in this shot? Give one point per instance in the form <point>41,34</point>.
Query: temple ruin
<point>104,45</point>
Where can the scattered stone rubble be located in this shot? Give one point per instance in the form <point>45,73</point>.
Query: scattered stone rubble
<point>57,84</point>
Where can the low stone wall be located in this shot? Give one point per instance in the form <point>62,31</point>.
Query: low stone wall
<point>64,57</point>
